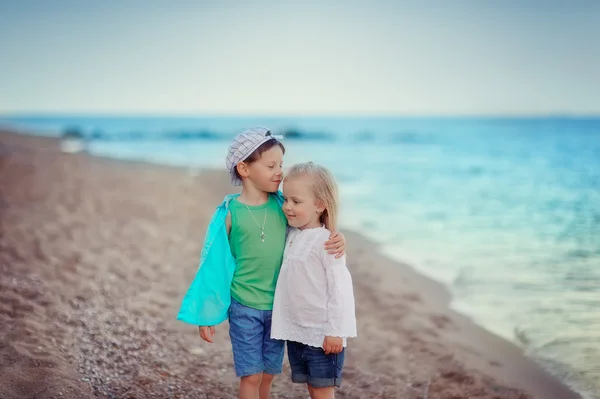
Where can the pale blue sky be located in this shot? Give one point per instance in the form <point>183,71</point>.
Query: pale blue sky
<point>376,57</point>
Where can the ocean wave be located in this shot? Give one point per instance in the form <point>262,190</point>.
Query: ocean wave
<point>180,135</point>
<point>521,336</point>
<point>294,134</point>
<point>203,134</point>
<point>148,136</point>
<point>410,137</point>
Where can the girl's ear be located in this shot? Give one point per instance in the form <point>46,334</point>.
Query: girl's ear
<point>320,207</point>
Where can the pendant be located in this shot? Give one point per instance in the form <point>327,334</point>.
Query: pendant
<point>262,236</point>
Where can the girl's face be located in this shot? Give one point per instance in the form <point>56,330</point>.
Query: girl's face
<point>266,173</point>
<point>301,208</point>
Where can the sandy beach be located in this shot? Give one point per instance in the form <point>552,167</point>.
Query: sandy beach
<point>96,254</point>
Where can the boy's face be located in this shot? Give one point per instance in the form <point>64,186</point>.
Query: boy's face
<point>266,173</point>
<point>300,206</point>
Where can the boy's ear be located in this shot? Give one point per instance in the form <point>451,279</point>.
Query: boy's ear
<point>242,169</point>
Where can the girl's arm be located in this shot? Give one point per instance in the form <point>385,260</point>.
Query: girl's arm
<point>341,320</point>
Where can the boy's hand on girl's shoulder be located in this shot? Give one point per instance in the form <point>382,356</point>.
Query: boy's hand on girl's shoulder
<point>336,244</point>
<point>206,333</point>
<point>333,345</point>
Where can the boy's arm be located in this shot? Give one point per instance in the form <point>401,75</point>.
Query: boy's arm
<point>228,223</point>
<point>203,303</point>
<point>207,332</point>
<point>336,245</point>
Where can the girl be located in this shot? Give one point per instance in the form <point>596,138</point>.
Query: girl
<point>314,302</point>
<point>240,262</point>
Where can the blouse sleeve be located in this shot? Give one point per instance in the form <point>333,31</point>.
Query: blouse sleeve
<point>341,320</point>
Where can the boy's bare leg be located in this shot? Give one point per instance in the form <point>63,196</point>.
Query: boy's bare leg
<point>321,393</point>
<point>249,386</point>
<point>265,386</point>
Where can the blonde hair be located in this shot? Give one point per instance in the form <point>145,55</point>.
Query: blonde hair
<point>325,190</point>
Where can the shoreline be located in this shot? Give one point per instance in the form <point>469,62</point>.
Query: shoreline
<point>405,322</point>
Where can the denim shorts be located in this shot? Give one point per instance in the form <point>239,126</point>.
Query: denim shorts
<point>254,351</point>
<point>311,365</point>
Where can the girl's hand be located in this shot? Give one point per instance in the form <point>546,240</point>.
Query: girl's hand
<point>336,244</point>
<point>333,345</point>
<point>206,333</point>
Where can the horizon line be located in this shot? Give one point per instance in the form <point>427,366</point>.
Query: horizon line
<point>170,114</point>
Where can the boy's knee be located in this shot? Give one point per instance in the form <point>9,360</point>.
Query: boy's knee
<point>254,379</point>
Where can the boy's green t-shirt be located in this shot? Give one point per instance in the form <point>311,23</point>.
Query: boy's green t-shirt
<point>257,261</point>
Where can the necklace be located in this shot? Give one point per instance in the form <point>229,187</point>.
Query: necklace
<point>262,228</point>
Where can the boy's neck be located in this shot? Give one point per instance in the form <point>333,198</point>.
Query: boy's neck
<point>252,196</point>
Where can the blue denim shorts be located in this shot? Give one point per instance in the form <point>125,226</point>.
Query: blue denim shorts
<point>254,351</point>
<point>311,365</point>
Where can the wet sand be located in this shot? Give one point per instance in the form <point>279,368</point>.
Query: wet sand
<point>96,254</point>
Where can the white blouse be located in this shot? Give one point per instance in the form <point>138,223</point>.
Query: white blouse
<point>313,296</point>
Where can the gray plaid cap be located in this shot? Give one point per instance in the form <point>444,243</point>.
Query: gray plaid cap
<point>242,146</point>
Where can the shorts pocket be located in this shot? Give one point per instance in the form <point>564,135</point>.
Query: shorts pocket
<point>338,361</point>
<point>233,307</point>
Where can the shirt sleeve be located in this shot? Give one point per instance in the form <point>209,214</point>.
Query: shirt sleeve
<point>341,319</point>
